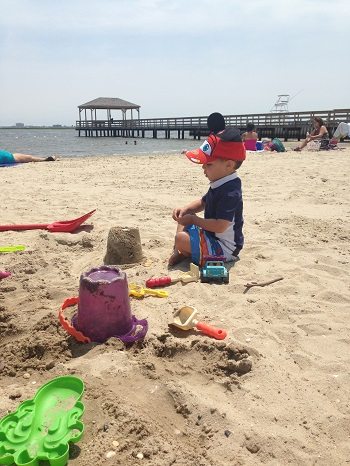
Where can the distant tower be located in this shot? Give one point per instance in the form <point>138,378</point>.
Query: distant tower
<point>281,105</point>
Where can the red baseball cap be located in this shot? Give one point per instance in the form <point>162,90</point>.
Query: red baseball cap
<point>225,145</point>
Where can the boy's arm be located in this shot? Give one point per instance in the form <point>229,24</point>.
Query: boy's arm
<point>192,208</point>
<point>209,224</point>
<point>225,211</point>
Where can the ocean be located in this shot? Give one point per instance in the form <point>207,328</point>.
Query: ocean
<point>66,143</point>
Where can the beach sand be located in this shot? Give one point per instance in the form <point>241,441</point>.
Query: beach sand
<point>275,392</point>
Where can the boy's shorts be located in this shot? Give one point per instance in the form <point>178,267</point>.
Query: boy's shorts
<point>203,244</point>
<point>6,158</point>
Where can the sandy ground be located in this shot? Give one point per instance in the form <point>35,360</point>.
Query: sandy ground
<point>275,392</point>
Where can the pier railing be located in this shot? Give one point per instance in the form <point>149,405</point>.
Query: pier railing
<point>291,124</point>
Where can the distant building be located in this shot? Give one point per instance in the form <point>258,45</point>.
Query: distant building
<point>57,126</point>
<point>19,125</point>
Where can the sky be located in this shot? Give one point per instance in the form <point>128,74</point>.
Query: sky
<point>173,58</point>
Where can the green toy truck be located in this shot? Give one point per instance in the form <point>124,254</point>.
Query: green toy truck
<point>214,270</point>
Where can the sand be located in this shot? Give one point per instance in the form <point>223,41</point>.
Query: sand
<point>275,392</point>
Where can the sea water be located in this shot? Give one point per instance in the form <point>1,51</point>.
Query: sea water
<point>67,143</point>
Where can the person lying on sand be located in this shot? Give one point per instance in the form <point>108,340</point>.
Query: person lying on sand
<point>7,158</point>
<point>219,233</point>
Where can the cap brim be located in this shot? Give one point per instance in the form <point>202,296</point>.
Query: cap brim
<point>197,156</point>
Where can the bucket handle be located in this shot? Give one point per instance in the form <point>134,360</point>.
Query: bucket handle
<point>135,335</point>
<point>79,336</point>
<point>130,337</point>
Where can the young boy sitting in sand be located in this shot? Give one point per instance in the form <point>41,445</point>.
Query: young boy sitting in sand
<point>219,233</point>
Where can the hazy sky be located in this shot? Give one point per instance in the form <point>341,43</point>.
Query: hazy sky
<point>173,57</point>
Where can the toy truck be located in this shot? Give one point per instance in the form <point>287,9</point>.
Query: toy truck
<point>214,270</point>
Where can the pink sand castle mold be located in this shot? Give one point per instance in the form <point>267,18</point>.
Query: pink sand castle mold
<point>4,274</point>
<point>104,308</point>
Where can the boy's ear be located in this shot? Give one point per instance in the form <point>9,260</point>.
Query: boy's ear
<point>231,163</point>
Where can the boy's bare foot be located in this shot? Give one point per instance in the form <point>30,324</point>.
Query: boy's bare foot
<point>176,257</point>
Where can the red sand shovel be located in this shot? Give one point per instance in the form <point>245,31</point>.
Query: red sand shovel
<point>64,226</point>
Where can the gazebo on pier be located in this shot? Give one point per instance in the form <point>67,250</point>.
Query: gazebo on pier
<point>101,126</point>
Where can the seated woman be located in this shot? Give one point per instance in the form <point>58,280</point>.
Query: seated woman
<point>250,137</point>
<point>7,158</point>
<point>319,132</point>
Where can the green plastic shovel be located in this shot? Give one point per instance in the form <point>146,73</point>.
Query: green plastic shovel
<point>12,248</point>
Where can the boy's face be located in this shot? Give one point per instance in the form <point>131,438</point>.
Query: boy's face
<point>218,168</point>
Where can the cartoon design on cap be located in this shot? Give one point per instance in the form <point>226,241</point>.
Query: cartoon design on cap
<point>206,148</point>
<point>227,144</point>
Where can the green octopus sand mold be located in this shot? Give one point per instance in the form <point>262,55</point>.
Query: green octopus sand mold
<point>41,428</point>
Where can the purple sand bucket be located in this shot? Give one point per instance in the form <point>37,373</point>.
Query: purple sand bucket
<point>104,307</point>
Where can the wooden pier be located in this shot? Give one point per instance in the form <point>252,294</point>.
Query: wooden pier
<point>291,125</point>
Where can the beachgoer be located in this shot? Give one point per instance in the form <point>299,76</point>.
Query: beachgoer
<point>342,132</point>
<point>319,132</point>
<point>8,158</point>
<point>216,122</point>
<point>276,145</point>
<point>220,231</point>
<point>250,137</point>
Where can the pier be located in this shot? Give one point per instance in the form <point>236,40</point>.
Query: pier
<point>289,125</point>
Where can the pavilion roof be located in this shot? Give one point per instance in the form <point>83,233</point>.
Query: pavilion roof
<point>109,103</point>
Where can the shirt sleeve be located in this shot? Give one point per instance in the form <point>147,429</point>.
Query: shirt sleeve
<point>228,205</point>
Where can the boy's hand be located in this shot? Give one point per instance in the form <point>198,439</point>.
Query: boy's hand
<point>187,219</point>
<point>179,212</point>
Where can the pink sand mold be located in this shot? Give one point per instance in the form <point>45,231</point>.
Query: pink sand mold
<point>4,274</point>
<point>42,428</point>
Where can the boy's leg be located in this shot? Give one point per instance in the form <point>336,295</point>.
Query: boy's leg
<point>182,246</point>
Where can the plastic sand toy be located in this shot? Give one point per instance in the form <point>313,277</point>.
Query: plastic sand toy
<point>4,274</point>
<point>42,428</point>
<point>185,318</point>
<point>214,270</point>
<point>64,226</point>
<point>138,291</point>
<point>6,249</point>
<point>103,308</point>
<point>185,277</point>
